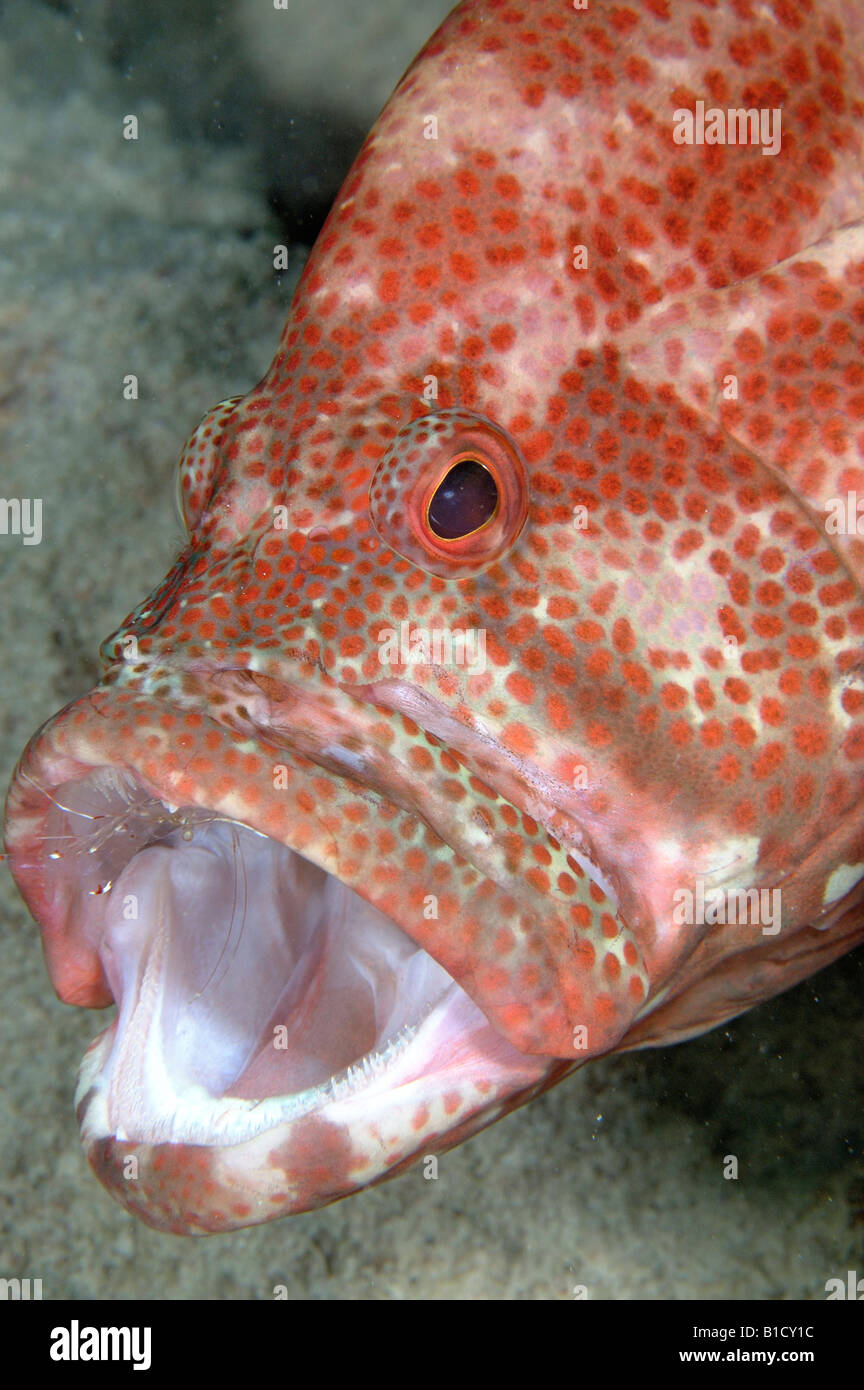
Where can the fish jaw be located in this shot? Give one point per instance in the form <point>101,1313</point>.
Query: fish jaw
<point>242,1079</point>
<point>280,1041</point>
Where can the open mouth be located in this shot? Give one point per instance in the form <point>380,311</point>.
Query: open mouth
<point>252,986</point>
<point>316,982</point>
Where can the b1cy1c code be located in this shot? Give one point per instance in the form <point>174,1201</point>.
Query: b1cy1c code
<point>722,1334</point>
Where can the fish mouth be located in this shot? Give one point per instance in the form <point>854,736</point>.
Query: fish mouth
<point>253,987</point>
<point>314,987</point>
<point>281,1039</point>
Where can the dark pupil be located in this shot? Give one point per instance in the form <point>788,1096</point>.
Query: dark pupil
<point>465,500</point>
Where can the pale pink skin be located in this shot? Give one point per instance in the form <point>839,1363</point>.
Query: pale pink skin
<point>486,863</point>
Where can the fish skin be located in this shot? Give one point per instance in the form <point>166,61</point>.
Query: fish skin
<point>618,747</point>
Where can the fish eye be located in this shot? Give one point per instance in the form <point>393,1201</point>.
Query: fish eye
<point>465,499</point>
<point>450,494</point>
<point>200,462</point>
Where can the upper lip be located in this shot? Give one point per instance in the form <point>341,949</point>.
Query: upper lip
<point>342,734</point>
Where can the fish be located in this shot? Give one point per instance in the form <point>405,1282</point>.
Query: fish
<point>503,709</point>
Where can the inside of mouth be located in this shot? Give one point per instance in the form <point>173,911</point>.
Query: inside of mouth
<point>244,975</point>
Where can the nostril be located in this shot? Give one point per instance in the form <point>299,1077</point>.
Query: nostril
<point>200,463</point>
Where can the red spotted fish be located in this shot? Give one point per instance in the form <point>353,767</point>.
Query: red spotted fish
<point>505,707</point>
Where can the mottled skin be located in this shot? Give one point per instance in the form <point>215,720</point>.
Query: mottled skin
<point>675,674</point>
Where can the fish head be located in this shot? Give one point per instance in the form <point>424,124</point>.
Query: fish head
<point>505,651</point>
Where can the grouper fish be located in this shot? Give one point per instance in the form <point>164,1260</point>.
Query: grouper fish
<point>505,707</point>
